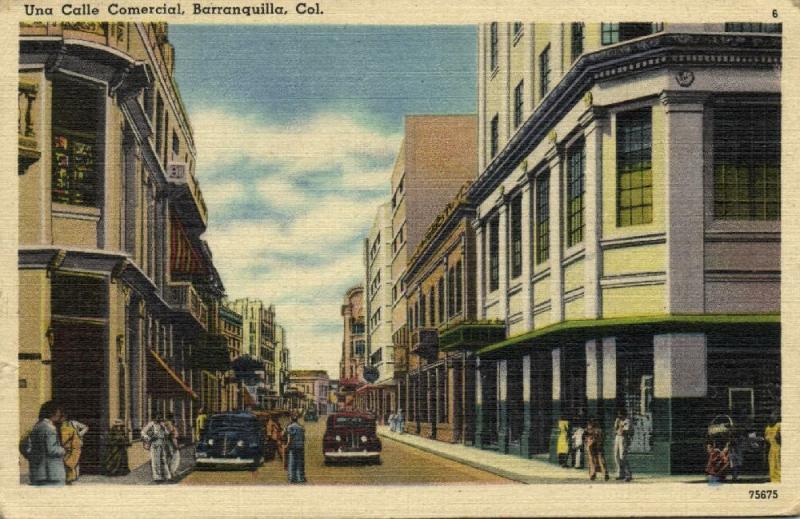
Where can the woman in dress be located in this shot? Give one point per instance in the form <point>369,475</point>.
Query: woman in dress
<point>594,448</point>
<point>772,434</point>
<point>115,461</point>
<point>157,440</point>
<point>72,432</point>
<point>174,443</point>
<point>562,446</point>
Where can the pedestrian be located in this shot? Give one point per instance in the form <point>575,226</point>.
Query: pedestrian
<point>400,421</point>
<point>200,424</point>
<point>622,435</point>
<point>562,445</point>
<point>393,422</point>
<point>595,450</point>
<point>274,434</point>
<point>735,458</point>
<point>115,461</point>
<point>772,434</point>
<point>157,440</point>
<point>717,464</point>
<point>295,442</point>
<point>43,451</point>
<point>577,446</point>
<point>71,434</point>
<point>174,444</point>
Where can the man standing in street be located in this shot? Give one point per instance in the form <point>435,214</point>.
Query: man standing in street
<point>295,442</point>
<point>622,431</point>
<point>45,453</point>
<point>200,423</point>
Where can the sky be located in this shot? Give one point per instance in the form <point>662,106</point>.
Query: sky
<point>296,130</point>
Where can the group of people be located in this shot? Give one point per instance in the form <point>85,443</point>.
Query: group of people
<point>397,422</point>
<point>728,460</point>
<point>161,438</point>
<point>53,447</point>
<point>582,443</point>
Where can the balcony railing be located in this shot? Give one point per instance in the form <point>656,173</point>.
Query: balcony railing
<point>424,342</point>
<point>178,174</point>
<point>184,297</point>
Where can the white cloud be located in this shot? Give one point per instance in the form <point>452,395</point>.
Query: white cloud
<point>303,261</point>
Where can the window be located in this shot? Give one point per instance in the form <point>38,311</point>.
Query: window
<point>494,254</point>
<point>517,30</point>
<point>544,71</point>
<point>516,237</point>
<point>400,186</point>
<point>451,292</point>
<point>753,27</point>
<point>634,173</point>
<point>159,122</point>
<point>518,105</point>
<point>422,310</point>
<point>459,287</point>
<point>432,306</point>
<point>442,316</point>
<point>75,119</point>
<point>542,218</point>
<point>494,137</point>
<point>617,32</point>
<point>575,188</point>
<point>493,47</point>
<point>176,145</point>
<point>147,98</point>
<point>747,167</point>
<point>577,40</point>
<point>359,347</point>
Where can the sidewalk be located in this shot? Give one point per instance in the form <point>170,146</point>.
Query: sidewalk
<point>141,475</point>
<point>521,469</point>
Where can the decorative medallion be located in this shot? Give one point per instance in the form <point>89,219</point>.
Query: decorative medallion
<point>685,78</point>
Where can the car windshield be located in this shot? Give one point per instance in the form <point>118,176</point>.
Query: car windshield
<point>232,422</point>
<point>353,421</point>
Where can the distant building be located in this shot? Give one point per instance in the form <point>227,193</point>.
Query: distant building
<point>354,344</point>
<point>314,384</point>
<point>258,343</point>
<point>231,329</point>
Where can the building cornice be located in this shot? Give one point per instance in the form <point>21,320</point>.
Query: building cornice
<point>659,51</point>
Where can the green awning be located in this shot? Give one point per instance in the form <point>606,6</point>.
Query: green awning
<point>211,353</point>
<point>471,336</point>
<point>584,329</point>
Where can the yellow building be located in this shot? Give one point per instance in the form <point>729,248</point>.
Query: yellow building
<point>118,293</point>
<point>628,231</point>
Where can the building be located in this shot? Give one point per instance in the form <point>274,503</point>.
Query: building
<point>231,329</point>
<point>117,289</point>
<point>354,345</point>
<point>314,384</point>
<point>258,344</point>
<point>282,366</point>
<point>437,155</point>
<point>628,232</point>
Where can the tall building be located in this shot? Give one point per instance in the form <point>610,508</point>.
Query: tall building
<point>628,232</point>
<point>282,366</point>
<point>117,291</point>
<point>354,344</point>
<point>258,343</point>
<point>378,294</point>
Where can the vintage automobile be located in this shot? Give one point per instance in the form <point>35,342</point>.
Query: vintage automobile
<point>231,440</point>
<point>351,436</point>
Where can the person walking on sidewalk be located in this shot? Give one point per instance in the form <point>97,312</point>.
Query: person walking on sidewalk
<point>772,434</point>
<point>296,446</point>
<point>200,423</point>
<point>562,445</point>
<point>400,421</point>
<point>115,462</point>
<point>174,444</point>
<point>577,450</point>
<point>43,450</point>
<point>622,435</point>
<point>71,433</point>
<point>594,446</point>
<point>157,440</point>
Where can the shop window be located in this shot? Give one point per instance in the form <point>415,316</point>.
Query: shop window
<point>634,168</point>
<point>76,116</point>
<point>575,190</point>
<point>747,162</point>
<point>635,389</point>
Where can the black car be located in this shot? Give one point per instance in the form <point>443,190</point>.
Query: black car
<point>231,439</point>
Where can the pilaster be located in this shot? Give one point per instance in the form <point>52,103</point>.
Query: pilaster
<point>503,262</point>
<point>502,405</point>
<point>554,159</point>
<point>527,257</point>
<point>527,415</point>
<point>480,290</point>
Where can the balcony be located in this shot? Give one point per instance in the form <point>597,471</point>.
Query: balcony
<point>400,358</point>
<point>473,335</point>
<point>425,342</point>
<point>183,297</point>
<point>187,194</point>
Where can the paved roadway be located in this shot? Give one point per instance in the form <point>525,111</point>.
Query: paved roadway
<point>401,464</point>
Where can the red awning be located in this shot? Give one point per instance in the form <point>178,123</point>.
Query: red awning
<point>184,257</point>
<point>163,381</point>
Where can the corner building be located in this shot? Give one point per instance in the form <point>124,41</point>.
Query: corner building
<point>628,233</point>
<point>118,293</point>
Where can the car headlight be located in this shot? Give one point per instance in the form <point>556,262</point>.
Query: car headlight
<point>240,443</point>
<point>363,439</point>
<point>338,438</point>
<point>211,441</point>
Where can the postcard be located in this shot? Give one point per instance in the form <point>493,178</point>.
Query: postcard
<point>339,259</point>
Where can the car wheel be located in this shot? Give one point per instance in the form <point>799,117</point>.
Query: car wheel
<point>377,461</point>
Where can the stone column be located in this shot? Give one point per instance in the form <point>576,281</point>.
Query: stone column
<point>594,123</point>
<point>502,405</point>
<point>503,262</point>
<point>479,429</point>
<point>428,407</point>
<point>556,409</point>
<point>605,412</point>
<point>527,416</point>
<point>556,272</point>
<point>683,154</point>
<point>594,377</point>
<point>527,257</point>
<point>438,399</point>
<point>480,286</point>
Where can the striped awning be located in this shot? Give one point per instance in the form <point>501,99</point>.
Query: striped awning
<point>184,257</point>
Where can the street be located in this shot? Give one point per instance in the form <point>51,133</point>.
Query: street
<point>401,464</point>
